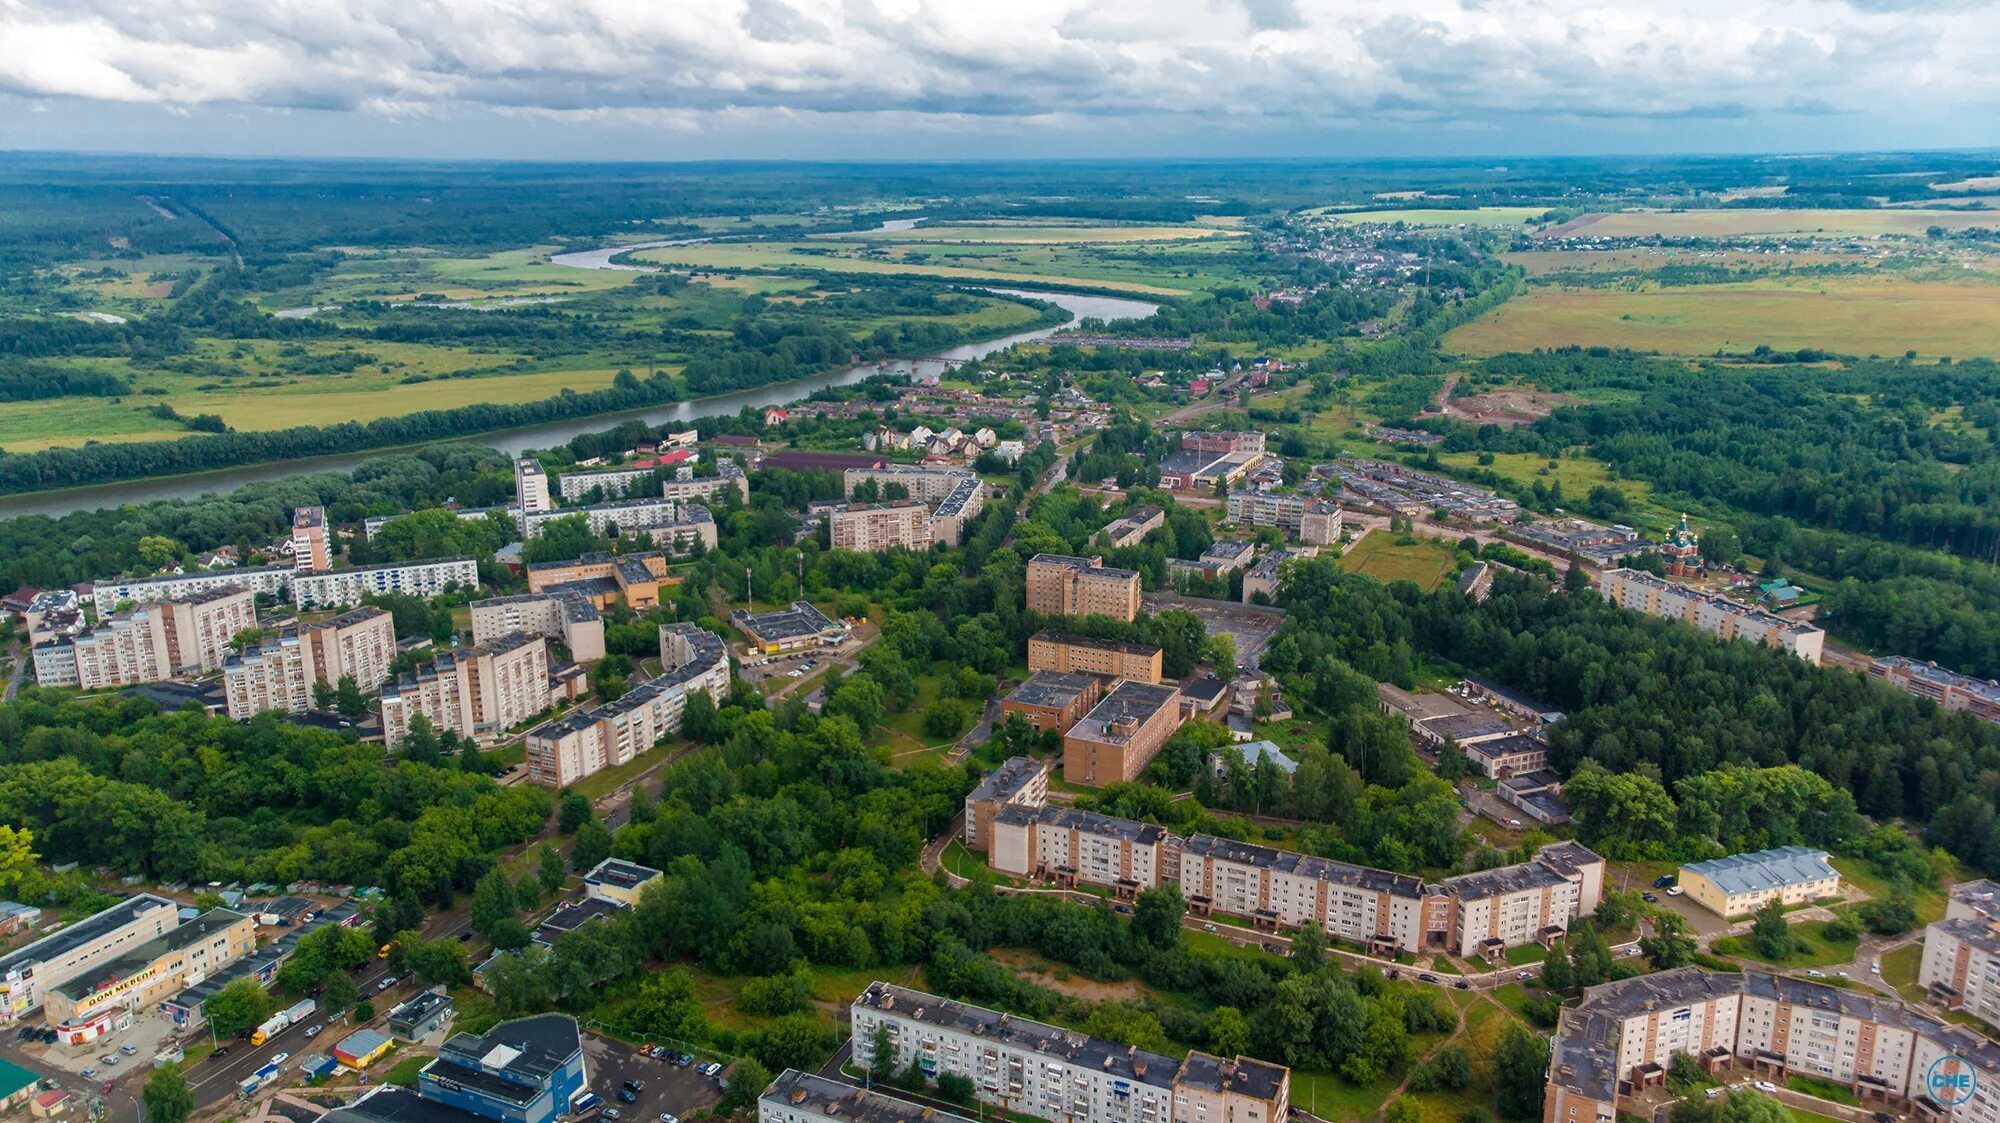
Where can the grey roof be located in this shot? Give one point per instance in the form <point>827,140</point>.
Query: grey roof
<point>1053,689</point>
<point>535,1049</point>
<point>1130,701</point>
<point>390,1104</point>
<point>707,652</point>
<point>571,915</point>
<point>1241,1076</point>
<point>1462,727</point>
<point>1080,1049</point>
<point>617,871</point>
<point>92,927</point>
<point>1254,750</point>
<point>1082,565</point>
<point>1503,880</point>
<point>1982,934</point>
<point>420,1007</point>
<point>1084,822</point>
<point>801,619</point>
<point>206,926</point>
<point>1509,745</point>
<point>1303,865</point>
<point>1765,870</point>
<point>821,1096</point>
<point>1227,549</point>
<point>1006,781</point>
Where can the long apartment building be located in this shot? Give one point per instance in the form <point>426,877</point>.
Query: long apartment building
<point>1314,521</point>
<point>152,643</point>
<point>954,496</point>
<point>1949,689</point>
<point>108,595</point>
<point>1059,585</point>
<point>1623,1037</point>
<point>687,487</point>
<point>1135,525</point>
<point>28,973</point>
<point>1068,847</point>
<point>669,523</point>
<point>1119,737</point>
<point>610,483</point>
<point>477,692</point>
<point>1020,781</point>
<point>874,527</point>
<point>801,1097</point>
<point>567,618</point>
<point>341,587</point>
<point>1961,966</point>
<point>569,748</point>
<point>1716,615</point>
<point>1080,655</point>
<point>1059,1074</point>
<point>278,672</point>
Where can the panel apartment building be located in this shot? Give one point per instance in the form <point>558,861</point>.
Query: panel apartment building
<point>278,673</point>
<point>342,587</point>
<point>690,488</point>
<point>188,635</point>
<point>954,496</point>
<point>270,580</point>
<point>569,748</point>
<point>1020,781</point>
<point>1716,615</point>
<point>27,973</point>
<point>1949,689</point>
<point>568,618</point>
<point>1624,1036</point>
<point>1080,655</point>
<point>874,527</point>
<point>669,523</point>
<point>477,692</point>
<point>1311,520</point>
<point>1059,585</point>
<point>1068,846</point>
<point>801,1097</point>
<point>1058,1074</point>
<point>1961,967</point>
<point>312,551</point>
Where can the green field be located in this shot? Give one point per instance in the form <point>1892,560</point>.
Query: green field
<point>1742,222</point>
<point>1381,556</point>
<point>1577,475</point>
<point>1816,949</point>
<point>1852,315</point>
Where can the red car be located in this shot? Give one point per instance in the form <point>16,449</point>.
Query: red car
<point>105,1088</point>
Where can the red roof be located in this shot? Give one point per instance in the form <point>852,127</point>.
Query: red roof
<point>732,439</point>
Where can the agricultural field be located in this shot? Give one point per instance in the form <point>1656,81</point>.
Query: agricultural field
<point>1470,216</point>
<point>1746,223</point>
<point>1381,556</point>
<point>1540,263</point>
<point>1852,315</point>
<point>1151,260</point>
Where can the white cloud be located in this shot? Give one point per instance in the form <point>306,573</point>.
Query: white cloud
<point>714,64</point>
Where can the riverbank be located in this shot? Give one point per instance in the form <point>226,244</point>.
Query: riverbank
<point>54,502</point>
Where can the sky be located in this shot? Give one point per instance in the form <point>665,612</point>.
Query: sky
<point>965,79</point>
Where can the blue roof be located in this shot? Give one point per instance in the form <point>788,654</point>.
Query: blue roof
<point>1765,870</point>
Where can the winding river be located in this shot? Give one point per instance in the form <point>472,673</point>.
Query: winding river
<point>512,441</point>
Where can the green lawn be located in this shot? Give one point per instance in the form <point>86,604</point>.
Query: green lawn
<point>1899,970</point>
<point>957,859</point>
<point>1329,1097</point>
<point>1816,949</point>
<point>1443,966</point>
<point>1929,901</point>
<point>404,1074</point>
<point>1525,954</point>
<point>1824,1089</point>
<point>597,785</point>
<point>1383,557</point>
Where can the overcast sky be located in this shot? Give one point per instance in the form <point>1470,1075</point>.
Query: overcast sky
<point>705,79</point>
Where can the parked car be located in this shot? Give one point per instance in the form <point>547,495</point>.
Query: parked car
<point>1662,881</point>
<point>221,1051</point>
<point>669,1117</point>
<point>129,1050</point>
<point>709,1068</point>
<point>628,1095</point>
<point>105,1088</point>
<point>281,1058</point>
<point>1816,974</point>
<point>1649,898</point>
<point>1714,1092</point>
<point>1764,1086</point>
<point>313,1030</point>
<point>683,1059</point>
<point>91,1073</point>
<point>110,1060</point>
<point>1461,985</point>
<point>385,984</point>
<point>1428,978</point>
<point>609,1113</point>
<point>1527,975</point>
<point>634,1085</point>
<point>1673,890</point>
<point>1884,1117</point>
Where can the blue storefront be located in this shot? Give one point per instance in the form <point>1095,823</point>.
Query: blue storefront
<point>523,1071</point>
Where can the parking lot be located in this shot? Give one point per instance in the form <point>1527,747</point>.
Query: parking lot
<point>1251,625</point>
<point>668,1087</point>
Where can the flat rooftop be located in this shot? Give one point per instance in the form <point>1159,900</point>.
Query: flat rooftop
<point>1079,1049</point>
<point>817,1095</point>
<point>201,928</point>
<point>1129,703</point>
<point>1071,639</point>
<point>1053,689</point>
<point>1006,781</point>
<point>796,622</point>
<point>1241,1076</point>
<point>617,871</point>
<point>1083,565</point>
<point>88,930</point>
<point>1765,869</point>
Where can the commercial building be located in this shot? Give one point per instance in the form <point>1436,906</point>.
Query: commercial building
<point>1068,846</point>
<point>1623,1037</point>
<point>1120,735</point>
<point>1716,615</point>
<point>1223,442</point>
<point>1136,524</point>
<point>268,580</point>
<point>874,527</point>
<point>788,629</point>
<point>424,1014</point>
<point>1949,689</point>
<point>189,635</point>
<point>1051,1073</point>
<point>1261,580</point>
<point>311,551</point>
<point>1961,966</point>
<point>1053,700</point>
<point>477,692</point>
<point>567,617</point>
<point>619,881</point>
<point>1020,781</point>
<point>278,673</point>
<point>1743,883</point>
<point>601,578</point>
<point>138,978</point>
<point>1196,471</point>
<point>569,748</point>
<point>1311,520</point>
<point>362,1048</point>
<point>28,973</point>
<point>425,579</point>
<point>1074,654</point>
<point>799,1097</point>
<point>1059,585</point>
<point>520,1071</point>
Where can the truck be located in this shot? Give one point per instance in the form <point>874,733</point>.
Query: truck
<point>282,1021</point>
<point>255,1081</point>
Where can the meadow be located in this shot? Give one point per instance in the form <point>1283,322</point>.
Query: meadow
<point>1743,223</point>
<point>1380,555</point>
<point>1852,315</point>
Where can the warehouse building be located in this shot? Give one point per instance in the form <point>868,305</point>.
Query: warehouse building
<point>27,973</point>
